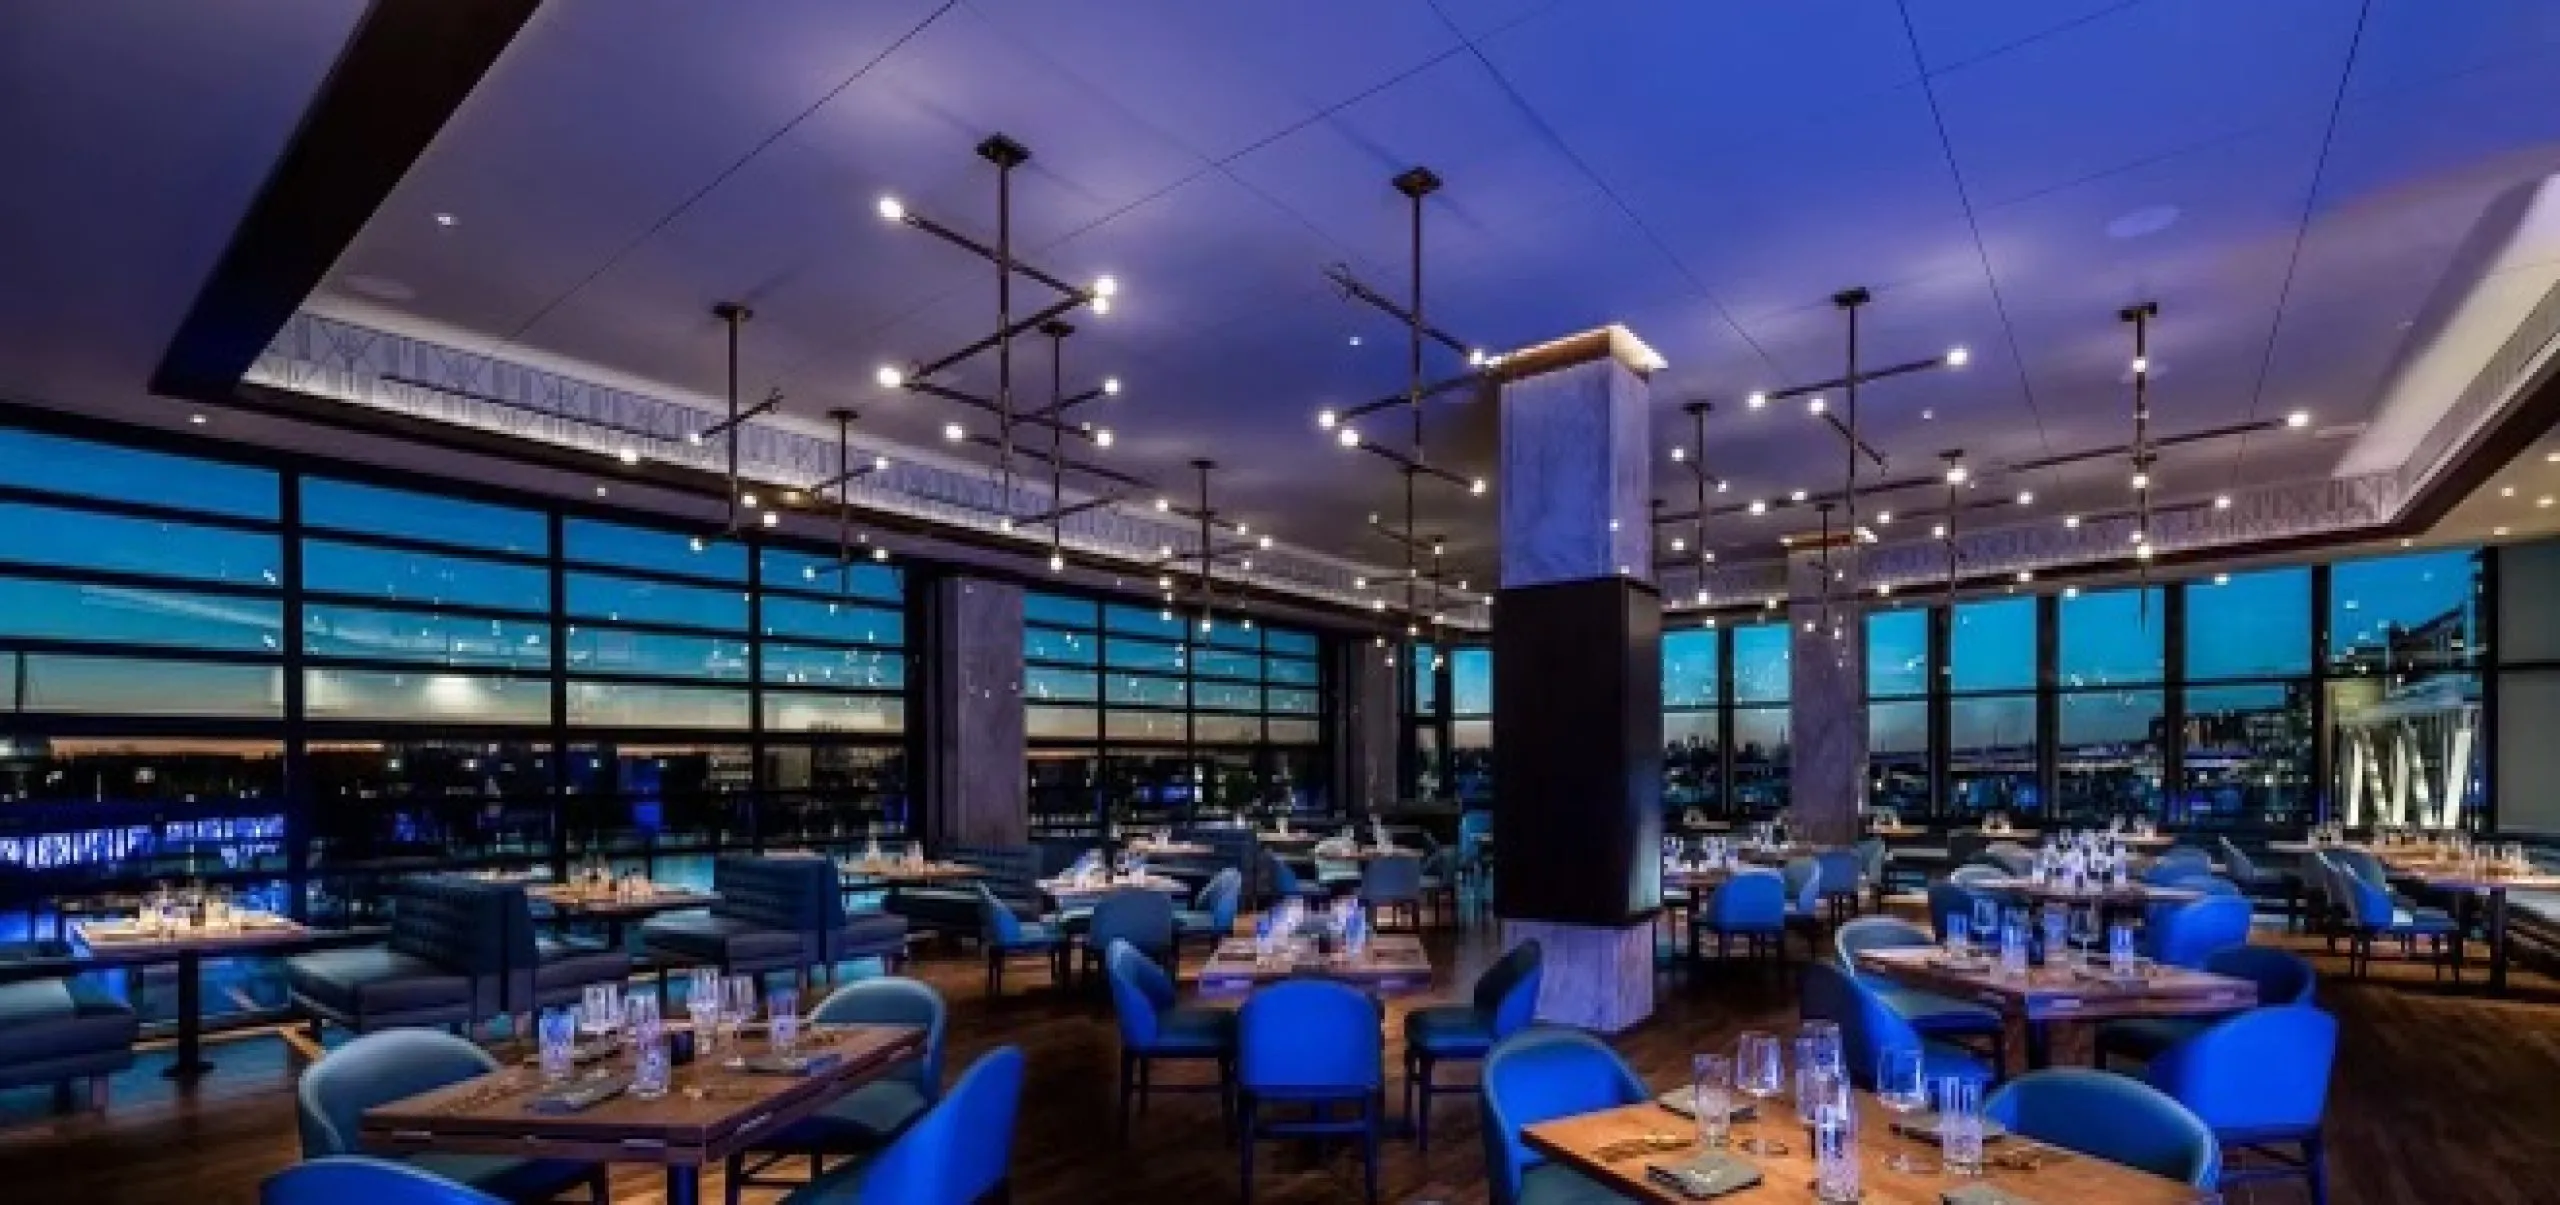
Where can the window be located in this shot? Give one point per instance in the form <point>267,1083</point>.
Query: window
<point>1992,746</point>
<point>2404,700</point>
<point>1762,726</point>
<point>2111,733</point>
<point>2248,753</point>
<point>52,537</point>
<point>1692,723</point>
<point>373,510</point>
<point>131,615</point>
<point>61,465</point>
<point>1898,754</point>
<point>425,579</point>
<point>1471,725</point>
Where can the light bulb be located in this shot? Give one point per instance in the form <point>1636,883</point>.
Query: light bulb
<point>2142,481</point>
<point>1102,438</point>
<point>1884,517</point>
<point>1102,305</point>
<point>1005,523</point>
<point>1938,531</point>
<point>628,456</point>
<point>1884,588</point>
<point>1679,455</point>
<point>2138,536</point>
<point>1475,357</point>
<point>1349,438</point>
<point>2298,419</point>
<point>1956,474</point>
<point>2142,552</point>
<point>1056,562</point>
<point>1476,486</point>
<point>1264,542</point>
<point>2222,579</point>
<point>773,518</point>
<point>879,554</point>
<point>891,210</point>
<point>1105,286</point>
<point>889,377</point>
<point>694,438</point>
<point>2071,591</point>
<point>952,432</point>
<point>2142,364</point>
<point>1326,418</point>
<point>1165,582</point>
<point>1359,583</point>
<point>1111,385</point>
<point>1759,507</point>
<point>1204,623</point>
<point>747,500</point>
<point>1164,550</point>
<point>2026,575</point>
<point>695,543</point>
<point>1679,545</point>
<point>1958,357</point>
<point>1795,495</point>
<point>879,464</point>
<point>1702,596</point>
<point>1757,400</point>
<point>1246,564</point>
<point>2222,502</point>
<point>2071,521</point>
<point>2026,497</point>
<point>1816,406</point>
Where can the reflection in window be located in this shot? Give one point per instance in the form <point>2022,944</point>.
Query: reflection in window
<point>1897,654</point>
<point>2249,756</point>
<point>374,510</point>
<point>420,696</point>
<point>1763,756</point>
<point>98,809</point>
<point>50,537</point>
<point>422,578</point>
<point>1994,645</point>
<point>2397,614</point>
<point>851,669</point>
<point>638,705</point>
<point>615,546</point>
<point>426,637</point>
<point>822,574</point>
<point>131,686</point>
<point>1991,754</point>
<point>36,461</point>
<point>2112,638</point>
<point>1692,671</point>
<point>638,600</point>
<point>834,795</point>
<point>638,802</point>
<point>127,615</point>
<point>1692,763</point>
<point>1761,665</point>
<point>2109,757</point>
<point>602,650</point>
<point>810,711</point>
<point>817,619</point>
<point>1898,757</point>
<point>2249,625</point>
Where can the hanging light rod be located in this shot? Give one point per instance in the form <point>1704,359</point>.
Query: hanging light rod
<point>772,402</point>
<point>1351,287</point>
<point>1077,466</point>
<point>1035,418</point>
<point>1470,484</point>
<point>1792,392</point>
<point>1332,418</point>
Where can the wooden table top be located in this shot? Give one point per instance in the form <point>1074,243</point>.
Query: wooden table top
<point>255,931</point>
<point>1366,853</point>
<point>1697,878</point>
<point>2008,834</point>
<point>709,1110</point>
<point>2455,876</point>
<point>2306,848</point>
<point>1171,849</point>
<point>1067,889</point>
<point>1391,964</point>
<point>1657,1135</point>
<point>2134,891</point>
<point>2056,992</point>
<point>573,899</point>
<point>899,870</point>
<point>1268,837</point>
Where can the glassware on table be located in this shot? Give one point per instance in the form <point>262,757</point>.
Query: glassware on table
<point>782,1017</point>
<point>702,984</point>
<point>705,1011</point>
<point>600,1009</point>
<point>738,1003</point>
<point>1986,920</point>
<point>1959,935</point>
<point>639,1009</point>
<point>2084,932</point>
<point>1902,1088</point>
<point>1822,1039</point>
<point>1833,1119</point>
<point>1711,1098</point>
<point>2013,948</point>
<point>651,1066</point>
<point>2120,956</point>
<point>1760,1071</point>
<point>557,1037</point>
<point>1960,1124</point>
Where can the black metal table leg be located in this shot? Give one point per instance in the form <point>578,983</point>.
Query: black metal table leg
<point>190,1062</point>
<point>2497,924</point>
<point>684,1184</point>
<point>2039,1047</point>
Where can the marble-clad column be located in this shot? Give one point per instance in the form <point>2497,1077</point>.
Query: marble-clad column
<point>976,781</point>
<point>1367,737</point>
<point>1577,641</point>
<point>1827,707</point>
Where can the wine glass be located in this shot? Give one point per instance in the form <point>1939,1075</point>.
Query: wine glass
<point>1902,1087</point>
<point>1818,1041</point>
<point>1986,919</point>
<point>1711,1098</point>
<point>1760,1070</point>
<point>2084,931</point>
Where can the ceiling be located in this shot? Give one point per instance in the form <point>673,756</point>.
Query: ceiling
<point>2312,190</point>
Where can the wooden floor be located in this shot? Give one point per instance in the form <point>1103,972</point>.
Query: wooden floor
<point>2440,1097</point>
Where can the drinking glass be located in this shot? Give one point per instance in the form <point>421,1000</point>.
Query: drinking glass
<point>1760,1070</point>
<point>782,1012</point>
<point>2057,930</point>
<point>703,984</point>
<point>600,1010</point>
<point>2120,958</point>
<point>639,1009</point>
<point>1959,934</point>
<point>2013,949</point>
<point>1902,1087</point>
<point>1821,1041</point>
<point>650,1066</point>
<point>1711,1098</point>
<point>738,1002</point>
<point>1986,919</point>
<point>705,1011</point>
<point>2084,932</point>
<point>1811,1074</point>
<point>1960,1125</point>
<point>557,1034</point>
<point>1833,1118</point>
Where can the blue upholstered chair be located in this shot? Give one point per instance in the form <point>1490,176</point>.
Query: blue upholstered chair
<point>1802,878</point>
<point>1153,1027</point>
<point>1212,913</point>
<point>959,1152</point>
<point>2261,882</point>
<point>2260,1082</point>
<point>338,1179</point>
<point>54,1031</point>
<point>2282,978</point>
<point>1505,1000</point>
<point>2370,913</point>
<point>444,963</point>
<point>1441,874</point>
<point>2111,1117</point>
<point>1751,905</point>
<point>869,1116</point>
<point>394,1064</point>
<point>2012,858</point>
<point>1311,1043</point>
<point>1540,1075</point>
<point>1874,860</point>
<point>772,914</point>
<point>1952,897</point>
<point>2175,862</point>
<point>1840,876</point>
<point>1135,915</point>
<point>1929,1013</point>
<point>1007,936</point>
<point>1393,885</point>
<point>1285,883</point>
<point>1974,875</point>
<point>2183,934</point>
<point>1868,1028</point>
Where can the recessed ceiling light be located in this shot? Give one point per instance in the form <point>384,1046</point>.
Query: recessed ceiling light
<point>1795,496</point>
<point>2026,575</point>
<point>600,491</point>
<point>2222,502</point>
<point>197,418</point>
<point>1757,400</point>
<point>1355,340</point>
<point>444,219</point>
<point>2071,521</point>
<point>2148,220</point>
<point>2497,531</point>
<point>2298,419</point>
<point>2026,497</point>
<point>1928,415</point>
<point>2506,491</point>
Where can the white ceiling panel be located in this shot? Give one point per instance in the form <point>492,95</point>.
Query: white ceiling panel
<point>2409,42</point>
<point>1954,32</point>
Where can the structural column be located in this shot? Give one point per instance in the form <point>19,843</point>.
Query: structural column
<point>975,779</point>
<point>1367,738</point>
<point>1827,706</point>
<point>1577,639</point>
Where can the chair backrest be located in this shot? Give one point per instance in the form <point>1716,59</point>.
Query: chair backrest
<point>2368,906</point>
<point>1140,993</point>
<point>1977,874</point>
<point>1839,871</point>
<point>1224,894</point>
<point>2282,976</point>
<point>1963,843</point>
<point>1135,915</point>
<point>894,1000</point>
<point>456,922</point>
<point>1868,1027</point>
<point>2186,934</point>
<point>996,921</point>
<point>2240,864</point>
<point>1876,933</point>
<point>2265,1070</point>
<point>2363,865</point>
<point>1750,899</point>
<point>338,1179</point>
<point>1539,1075</point>
<point>1799,874</point>
<point>1284,881</point>
<point>2010,857</point>
<point>1872,854</point>
<point>1392,879</point>
<point>376,1068</point>
<point>2110,1116</point>
<point>960,1150</point>
<point>1308,1036</point>
<point>2203,884</point>
<point>797,895</point>
<point>1506,994</point>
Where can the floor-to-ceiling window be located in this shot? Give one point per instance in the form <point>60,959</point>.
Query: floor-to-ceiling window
<point>2404,652</point>
<point>1471,724</point>
<point>2110,727</point>
<point>1762,726</point>
<point>833,667</point>
<point>1898,747</point>
<point>2247,749</point>
<point>1426,722</point>
<point>1992,744</point>
<point>1693,715</point>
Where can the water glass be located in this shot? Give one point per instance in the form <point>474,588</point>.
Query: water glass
<point>1959,934</point>
<point>703,984</point>
<point>1818,1042</point>
<point>1811,1076</point>
<point>1902,1088</point>
<point>1960,1125</point>
<point>2057,931</point>
<point>600,1009</point>
<point>650,1069</point>
<point>1835,1143</point>
<point>1711,1098</point>
<point>782,1012</point>
<point>2120,958</point>
<point>1760,1070</point>
<point>2013,949</point>
<point>738,1002</point>
<point>1986,919</point>
<point>638,1009</point>
<point>557,1034</point>
<point>705,1010</point>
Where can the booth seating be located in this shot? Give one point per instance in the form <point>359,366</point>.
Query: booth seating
<point>58,1031</point>
<point>772,914</point>
<point>1012,872</point>
<point>445,963</point>
<point>545,971</point>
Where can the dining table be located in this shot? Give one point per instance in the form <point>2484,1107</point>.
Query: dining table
<point>1388,964</point>
<point>1073,893</point>
<point>2109,896</point>
<point>1148,848</point>
<point>715,1106</point>
<point>129,941</point>
<point>1614,1148</point>
<point>2488,885</point>
<point>2060,991</point>
<point>603,904</point>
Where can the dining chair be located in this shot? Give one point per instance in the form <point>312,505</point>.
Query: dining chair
<point>1212,913</point>
<point>1751,905</point>
<point>1285,884</point>
<point>1802,878</point>
<point>394,1064</point>
<point>1868,1028</point>
<point>2260,1082</point>
<point>338,1179</point>
<point>1392,886</point>
<point>1135,915</point>
<point>2182,935</point>
<point>1539,1075</point>
<point>1841,876</point>
<point>1930,1014</point>
<point>959,1153</point>
<point>2282,978</point>
<point>875,1113</point>
<point>2261,882</point>
<point>1952,897</point>
<point>1153,1027</point>
<point>1874,865</point>
<point>2012,858</point>
<point>1974,875</point>
<point>2371,913</point>
<point>1007,937</point>
<point>1311,1043</point>
<point>1504,1001</point>
<point>1440,881</point>
<point>2111,1117</point>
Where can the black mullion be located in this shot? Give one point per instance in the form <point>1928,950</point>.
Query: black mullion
<point>2492,684</point>
<point>559,734</point>
<point>2048,637</point>
<point>1941,715</point>
<point>2173,702</point>
<point>759,784</point>
<point>298,803</point>
<point>1726,805</point>
<point>2322,749</point>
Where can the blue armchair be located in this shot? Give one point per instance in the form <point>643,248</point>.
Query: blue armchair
<point>2259,1081</point>
<point>1393,885</point>
<point>1135,915</point>
<point>1212,913</point>
<point>1752,905</point>
<point>339,1179</point>
<point>55,1031</point>
<point>877,1112</point>
<point>2370,913</point>
<point>2111,1117</point>
<point>1540,1075</point>
<point>394,1064</point>
<point>1285,883</point>
<point>773,914</point>
<point>1311,1043</point>
<point>961,1150</point>
<point>2183,935</point>
<point>1006,936</point>
<point>1504,1002</point>
<point>1840,876</point>
<point>2282,978</point>
<point>1153,1026</point>
<point>1868,1028</point>
<point>1930,1014</point>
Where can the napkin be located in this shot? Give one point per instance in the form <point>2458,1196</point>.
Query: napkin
<point>1683,1102</point>
<point>1924,1126</point>
<point>578,1098</point>
<point>1709,1175</point>
<point>774,1064</point>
